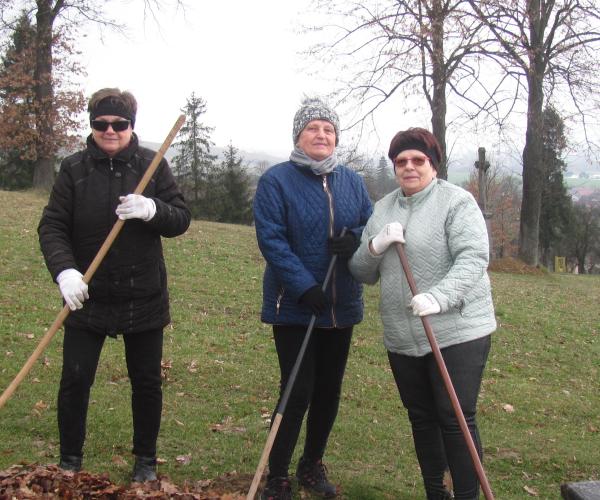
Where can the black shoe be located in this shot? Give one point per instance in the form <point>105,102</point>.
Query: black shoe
<point>313,476</point>
<point>144,469</point>
<point>277,488</point>
<point>70,462</point>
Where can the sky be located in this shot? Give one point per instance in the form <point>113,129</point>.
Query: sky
<point>241,57</point>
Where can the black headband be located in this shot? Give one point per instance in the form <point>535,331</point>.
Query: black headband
<point>110,106</point>
<point>432,153</point>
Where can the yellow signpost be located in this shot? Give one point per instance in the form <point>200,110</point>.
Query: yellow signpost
<point>560,265</point>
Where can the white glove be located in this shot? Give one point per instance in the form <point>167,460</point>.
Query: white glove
<point>391,233</point>
<point>136,206</point>
<point>424,304</point>
<point>74,290</point>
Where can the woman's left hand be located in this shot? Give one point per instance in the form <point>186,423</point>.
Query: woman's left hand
<point>424,304</point>
<point>136,206</point>
<point>344,246</point>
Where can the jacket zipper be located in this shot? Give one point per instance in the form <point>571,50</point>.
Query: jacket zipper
<point>110,185</point>
<point>331,234</point>
<point>409,209</point>
<point>112,320</point>
<point>279,299</point>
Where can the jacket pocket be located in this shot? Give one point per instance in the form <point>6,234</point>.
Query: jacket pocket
<point>139,280</point>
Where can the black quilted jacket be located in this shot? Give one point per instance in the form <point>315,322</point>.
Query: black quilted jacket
<point>128,292</point>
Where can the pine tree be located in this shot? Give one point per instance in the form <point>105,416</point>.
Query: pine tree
<point>386,180</point>
<point>193,164</point>
<point>556,209</point>
<point>236,202</point>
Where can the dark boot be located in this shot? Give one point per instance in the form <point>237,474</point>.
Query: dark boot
<point>70,462</point>
<point>313,476</point>
<point>144,469</point>
<point>277,488</point>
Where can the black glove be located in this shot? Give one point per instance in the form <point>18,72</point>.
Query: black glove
<point>344,246</point>
<point>315,300</point>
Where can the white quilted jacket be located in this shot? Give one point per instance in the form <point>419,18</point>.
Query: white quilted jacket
<point>447,249</point>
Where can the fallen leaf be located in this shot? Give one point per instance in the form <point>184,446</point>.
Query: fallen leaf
<point>508,408</point>
<point>532,491</point>
<point>40,405</point>
<point>168,487</point>
<point>165,366</point>
<point>183,459</point>
<point>226,427</point>
<point>119,461</point>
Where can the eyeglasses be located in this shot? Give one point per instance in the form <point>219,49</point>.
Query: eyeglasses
<point>417,161</point>
<point>118,126</point>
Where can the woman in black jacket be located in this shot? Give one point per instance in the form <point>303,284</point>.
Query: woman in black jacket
<point>128,293</point>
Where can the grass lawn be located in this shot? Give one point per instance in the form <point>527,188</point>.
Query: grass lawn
<point>539,408</point>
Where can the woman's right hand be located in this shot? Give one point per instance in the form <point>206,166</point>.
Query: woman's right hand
<point>390,233</point>
<point>315,299</point>
<point>72,287</point>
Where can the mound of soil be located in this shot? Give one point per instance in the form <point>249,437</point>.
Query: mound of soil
<point>513,266</point>
<point>51,482</point>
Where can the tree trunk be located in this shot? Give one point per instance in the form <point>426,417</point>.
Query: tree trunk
<point>438,105</point>
<point>43,175</point>
<point>531,203</point>
<point>533,170</point>
<point>581,264</point>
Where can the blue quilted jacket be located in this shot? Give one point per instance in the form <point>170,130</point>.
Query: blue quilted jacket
<point>295,212</point>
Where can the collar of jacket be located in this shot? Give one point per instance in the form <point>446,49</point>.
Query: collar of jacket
<point>416,198</point>
<point>308,171</point>
<point>125,155</point>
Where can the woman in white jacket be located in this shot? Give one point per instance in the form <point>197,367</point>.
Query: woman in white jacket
<point>446,244</point>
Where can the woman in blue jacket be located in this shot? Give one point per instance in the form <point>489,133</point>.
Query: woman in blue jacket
<point>300,208</point>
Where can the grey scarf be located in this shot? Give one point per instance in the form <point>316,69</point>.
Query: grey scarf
<point>318,167</point>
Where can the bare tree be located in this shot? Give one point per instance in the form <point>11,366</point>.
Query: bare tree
<point>51,16</point>
<point>503,194</point>
<point>19,127</point>
<point>548,47</point>
<point>414,48</point>
<point>585,235</point>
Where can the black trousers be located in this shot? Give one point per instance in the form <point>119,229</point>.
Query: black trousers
<point>81,352</point>
<point>317,389</point>
<point>439,442</point>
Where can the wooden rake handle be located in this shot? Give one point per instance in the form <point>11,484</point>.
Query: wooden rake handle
<point>62,315</point>
<point>485,485</point>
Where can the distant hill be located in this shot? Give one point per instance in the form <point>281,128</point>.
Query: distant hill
<point>250,158</point>
<point>461,163</point>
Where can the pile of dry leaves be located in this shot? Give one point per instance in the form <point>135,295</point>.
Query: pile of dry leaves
<point>49,482</point>
<point>513,266</point>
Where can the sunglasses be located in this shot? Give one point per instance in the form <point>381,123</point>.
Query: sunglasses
<point>118,126</point>
<point>417,161</point>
